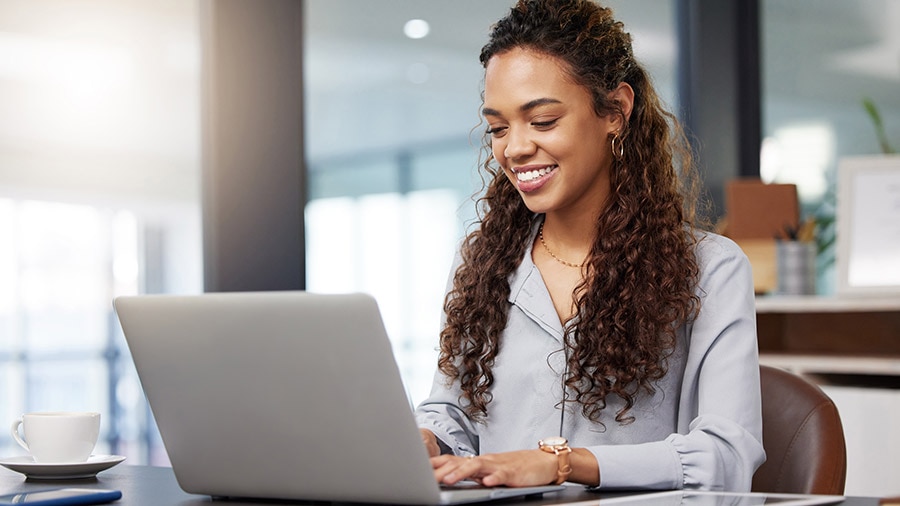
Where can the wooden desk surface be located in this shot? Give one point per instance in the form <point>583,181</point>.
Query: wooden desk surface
<point>156,486</point>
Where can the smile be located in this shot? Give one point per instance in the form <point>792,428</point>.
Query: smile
<point>531,175</point>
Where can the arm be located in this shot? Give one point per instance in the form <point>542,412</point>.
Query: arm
<point>521,468</point>
<point>440,418</point>
<point>718,442</point>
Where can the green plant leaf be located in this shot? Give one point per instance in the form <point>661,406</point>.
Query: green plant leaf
<point>874,115</point>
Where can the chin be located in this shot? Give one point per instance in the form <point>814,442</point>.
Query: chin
<point>535,205</point>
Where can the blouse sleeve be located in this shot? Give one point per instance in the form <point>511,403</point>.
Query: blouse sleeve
<point>440,412</point>
<point>719,442</point>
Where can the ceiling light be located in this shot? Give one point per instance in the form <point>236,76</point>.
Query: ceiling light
<point>416,28</point>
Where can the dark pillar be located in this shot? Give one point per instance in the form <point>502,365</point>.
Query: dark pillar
<point>719,88</point>
<point>253,171</point>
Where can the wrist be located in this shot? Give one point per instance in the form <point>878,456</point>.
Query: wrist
<point>432,443</point>
<point>585,468</point>
<point>550,467</point>
<point>559,447</point>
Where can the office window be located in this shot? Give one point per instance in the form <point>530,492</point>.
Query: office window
<point>820,60</point>
<point>393,143</point>
<point>99,197</point>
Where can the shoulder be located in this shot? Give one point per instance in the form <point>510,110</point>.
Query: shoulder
<point>720,260</point>
<point>713,248</point>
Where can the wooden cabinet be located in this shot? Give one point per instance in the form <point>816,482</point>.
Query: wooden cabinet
<point>829,325</point>
<point>851,348</point>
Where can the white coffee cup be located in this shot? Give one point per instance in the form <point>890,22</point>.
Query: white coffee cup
<point>58,437</point>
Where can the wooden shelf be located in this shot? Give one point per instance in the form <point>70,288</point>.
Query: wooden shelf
<point>817,304</point>
<point>810,325</point>
<point>830,364</point>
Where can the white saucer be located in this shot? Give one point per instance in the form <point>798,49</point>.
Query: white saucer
<point>62,471</point>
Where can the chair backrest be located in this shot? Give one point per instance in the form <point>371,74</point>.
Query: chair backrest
<point>802,435</point>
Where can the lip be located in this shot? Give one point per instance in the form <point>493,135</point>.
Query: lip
<point>535,184</point>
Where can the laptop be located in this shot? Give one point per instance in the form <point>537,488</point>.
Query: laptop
<point>283,395</point>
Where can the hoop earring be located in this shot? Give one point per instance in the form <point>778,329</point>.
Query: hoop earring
<point>618,152</point>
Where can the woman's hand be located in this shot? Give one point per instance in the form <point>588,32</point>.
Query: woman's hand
<point>513,469</point>
<point>431,443</point>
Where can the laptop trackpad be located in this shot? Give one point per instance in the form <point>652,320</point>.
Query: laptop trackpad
<point>469,492</point>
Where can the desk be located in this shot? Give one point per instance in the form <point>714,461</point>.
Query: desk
<point>156,486</point>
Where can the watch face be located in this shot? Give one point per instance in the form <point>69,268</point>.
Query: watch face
<point>554,441</point>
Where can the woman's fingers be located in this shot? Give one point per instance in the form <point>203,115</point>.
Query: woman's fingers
<point>513,469</point>
<point>450,469</point>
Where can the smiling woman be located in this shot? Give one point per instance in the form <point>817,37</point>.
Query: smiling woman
<point>618,370</point>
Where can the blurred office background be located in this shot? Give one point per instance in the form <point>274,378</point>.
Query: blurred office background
<point>101,148</point>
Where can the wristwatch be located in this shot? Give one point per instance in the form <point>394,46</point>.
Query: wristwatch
<point>559,446</point>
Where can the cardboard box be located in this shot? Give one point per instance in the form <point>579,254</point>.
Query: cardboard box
<point>757,210</point>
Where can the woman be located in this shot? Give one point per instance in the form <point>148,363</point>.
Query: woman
<point>586,306</point>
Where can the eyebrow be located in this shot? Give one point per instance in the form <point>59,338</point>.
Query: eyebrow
<point>527,106</point>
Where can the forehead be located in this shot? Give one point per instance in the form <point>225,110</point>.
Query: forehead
<point>520,75</point>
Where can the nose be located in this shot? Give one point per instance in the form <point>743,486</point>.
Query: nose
<point>518,144</point>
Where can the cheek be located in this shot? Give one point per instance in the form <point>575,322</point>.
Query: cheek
<point>497,148</point>
<point>590,149</point>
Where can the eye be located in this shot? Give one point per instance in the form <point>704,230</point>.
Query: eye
<point>544,125</point>
<point>496,131</point>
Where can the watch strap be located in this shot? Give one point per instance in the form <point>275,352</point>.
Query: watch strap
<point>564,468</point>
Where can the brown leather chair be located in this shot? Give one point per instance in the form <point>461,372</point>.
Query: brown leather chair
<point>802,435</point>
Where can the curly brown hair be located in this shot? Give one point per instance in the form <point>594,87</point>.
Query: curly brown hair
<point>641,273</point>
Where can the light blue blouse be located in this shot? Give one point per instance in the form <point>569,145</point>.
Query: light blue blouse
<point>702,429</point>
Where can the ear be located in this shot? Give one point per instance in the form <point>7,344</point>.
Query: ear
<point>624,96</point>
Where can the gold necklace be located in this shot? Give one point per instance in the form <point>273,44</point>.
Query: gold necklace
<point>560,260</point>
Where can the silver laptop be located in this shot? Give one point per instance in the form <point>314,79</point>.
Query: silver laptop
<point>283,395</point>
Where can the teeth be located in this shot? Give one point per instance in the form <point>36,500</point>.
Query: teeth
<point>534,174</point>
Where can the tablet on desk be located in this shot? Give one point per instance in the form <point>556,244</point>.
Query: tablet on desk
<point>62,497</point>
<point>703,498</point>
